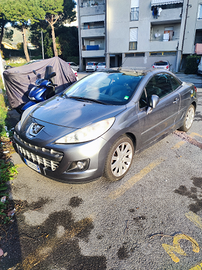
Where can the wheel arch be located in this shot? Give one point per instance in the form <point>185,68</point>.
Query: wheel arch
<point>133,138</point>
<point>194,104</point>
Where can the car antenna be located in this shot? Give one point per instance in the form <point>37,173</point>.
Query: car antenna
<point>119,68</point>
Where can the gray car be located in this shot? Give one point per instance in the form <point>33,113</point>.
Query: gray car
<point>96,125</point>
<point>74,66</point>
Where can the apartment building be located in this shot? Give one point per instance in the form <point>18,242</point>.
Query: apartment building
<point>136,33</point>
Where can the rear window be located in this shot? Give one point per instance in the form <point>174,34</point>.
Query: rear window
<point>161,63</point>
<point>101,64</point>
<point>90,64</point>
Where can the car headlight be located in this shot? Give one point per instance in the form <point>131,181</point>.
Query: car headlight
<point>88,133</point>
<point>25,114</point>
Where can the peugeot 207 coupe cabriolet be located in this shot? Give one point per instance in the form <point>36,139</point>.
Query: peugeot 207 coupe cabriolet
<point>96,125</point>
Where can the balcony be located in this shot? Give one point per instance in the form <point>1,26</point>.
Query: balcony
<point>163,45</point>
<point>93,32</point>
<point>167,16</point>
<point>92,53</point>
<point>92,10</point>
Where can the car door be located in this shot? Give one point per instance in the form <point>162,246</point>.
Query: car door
<point>161,120</point>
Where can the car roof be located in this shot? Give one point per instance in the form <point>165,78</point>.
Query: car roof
<point>138,72</point>
<point>161,61</point>
<point>129,70</point>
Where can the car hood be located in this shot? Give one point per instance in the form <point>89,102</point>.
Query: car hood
<point>72,113</point>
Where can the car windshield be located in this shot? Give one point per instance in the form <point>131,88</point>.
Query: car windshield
<point>101,64</point>
<point>105,87</point>
<point>90,64</point>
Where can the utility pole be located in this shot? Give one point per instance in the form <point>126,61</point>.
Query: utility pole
<point>42,48</point>
<point>182,34</point>
<point>107,56</point>
<point>79,36</point>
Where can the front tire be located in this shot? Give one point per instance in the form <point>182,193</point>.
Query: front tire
<point>188,119</point>
<point>119,159</point>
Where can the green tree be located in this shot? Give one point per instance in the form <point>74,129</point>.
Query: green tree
<point>68,40</point>
<point>21,13</point>
<point>57,12</point>
<point>3,20</point>
<point>36,38</point>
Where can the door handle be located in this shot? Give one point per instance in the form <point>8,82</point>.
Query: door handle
<point>176,100</point>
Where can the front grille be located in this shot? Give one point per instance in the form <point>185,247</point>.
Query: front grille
<point>38,155</point>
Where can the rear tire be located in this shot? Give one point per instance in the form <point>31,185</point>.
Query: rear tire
<point>188,119</point>
<point>119,159</point>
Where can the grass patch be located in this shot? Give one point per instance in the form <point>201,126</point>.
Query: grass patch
<point>1,83</point>
<point>7,168</point>
<point>17,64</point>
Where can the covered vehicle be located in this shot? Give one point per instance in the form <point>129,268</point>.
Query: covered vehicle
<point>20,80</point>
<point>96,125</point>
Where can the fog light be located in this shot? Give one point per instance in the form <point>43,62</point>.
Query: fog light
<point>80,165</point>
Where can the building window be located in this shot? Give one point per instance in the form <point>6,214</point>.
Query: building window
<point>129,54</point>
<point>140,54</point>
<point>162,53</point>
<point>133,38</point>
<point>200,12</point>
<point>169,53</point>
<point>156,53</point>
<point>134,54</point>
<point>132,45</point>
<point>134,12</point>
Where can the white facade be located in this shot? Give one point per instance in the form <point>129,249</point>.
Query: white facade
<point>136,33</point>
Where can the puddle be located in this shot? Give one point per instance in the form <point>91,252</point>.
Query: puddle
<point>192,193</point>
<point>53,244</point>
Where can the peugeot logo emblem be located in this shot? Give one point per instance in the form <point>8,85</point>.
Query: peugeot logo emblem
<point>34,129</point>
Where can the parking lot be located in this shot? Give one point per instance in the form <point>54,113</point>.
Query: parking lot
<point>151,219</point>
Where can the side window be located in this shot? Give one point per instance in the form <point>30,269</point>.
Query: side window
<point>159,85</point>
<point>175,83</point>
<point>143,100</point>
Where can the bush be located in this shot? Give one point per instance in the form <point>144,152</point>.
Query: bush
<point>191,64</point>
<point>7,168</point>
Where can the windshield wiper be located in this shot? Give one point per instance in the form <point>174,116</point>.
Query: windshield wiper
<point>87,99</point>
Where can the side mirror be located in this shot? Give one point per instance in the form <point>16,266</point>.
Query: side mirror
<point>53,74</point>
<point>153,103</point>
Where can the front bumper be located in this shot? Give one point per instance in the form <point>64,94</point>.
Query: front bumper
<point>54,160</point>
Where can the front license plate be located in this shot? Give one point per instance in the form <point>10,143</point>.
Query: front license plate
<point>32,165</point>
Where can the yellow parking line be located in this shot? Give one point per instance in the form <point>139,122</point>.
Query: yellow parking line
<point>178,145</point>
<point>123,188</point>
<point>197,267</point>
<point>195,219</point>
<point>193,134</point>
<point>21,165</point>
